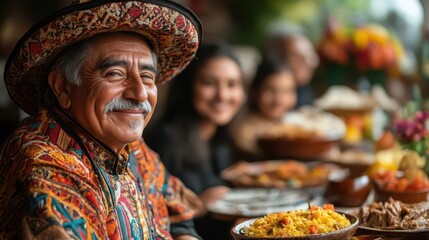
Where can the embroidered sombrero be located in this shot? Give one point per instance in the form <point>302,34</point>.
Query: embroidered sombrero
<point>174,31</point>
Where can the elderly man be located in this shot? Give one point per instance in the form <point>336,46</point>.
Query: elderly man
<point>77,168</point>
<point>287,42</point>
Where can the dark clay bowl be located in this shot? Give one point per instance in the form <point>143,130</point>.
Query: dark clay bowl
<point>403,196</point>
<point>347,190</point>
<point>341,234</point>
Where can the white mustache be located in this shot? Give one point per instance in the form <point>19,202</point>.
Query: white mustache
<point>123,104</point>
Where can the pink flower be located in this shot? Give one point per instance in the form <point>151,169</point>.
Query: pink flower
<point>412,133</point>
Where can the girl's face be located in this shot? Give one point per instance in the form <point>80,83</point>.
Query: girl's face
<point>277,95</point>
<point>218,90</point>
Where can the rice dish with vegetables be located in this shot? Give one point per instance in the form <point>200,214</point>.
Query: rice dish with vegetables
<point>315,220</point>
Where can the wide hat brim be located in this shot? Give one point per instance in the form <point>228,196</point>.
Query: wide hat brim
<point>174,31</point>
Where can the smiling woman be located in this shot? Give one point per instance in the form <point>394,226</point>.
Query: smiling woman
<point>192,136</point>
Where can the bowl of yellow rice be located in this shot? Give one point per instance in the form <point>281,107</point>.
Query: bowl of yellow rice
<point>321,223</point>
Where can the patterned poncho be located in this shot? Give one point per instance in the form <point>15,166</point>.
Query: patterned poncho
<point>57,181</point>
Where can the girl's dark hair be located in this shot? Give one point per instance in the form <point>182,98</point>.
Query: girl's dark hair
<point>266,68</point>
<point>180,113</point>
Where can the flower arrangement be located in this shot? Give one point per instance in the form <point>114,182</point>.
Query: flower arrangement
<point>375,48</point>
<point>412,133</point>
<point>364,50</point>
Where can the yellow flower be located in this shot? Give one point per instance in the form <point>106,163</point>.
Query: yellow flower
<point>360,39</point>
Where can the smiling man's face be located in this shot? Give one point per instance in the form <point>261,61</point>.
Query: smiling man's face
<point>119,68</point>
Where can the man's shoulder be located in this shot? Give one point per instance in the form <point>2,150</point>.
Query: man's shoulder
<point>34,150</point>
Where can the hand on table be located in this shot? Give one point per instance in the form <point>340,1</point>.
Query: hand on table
<point>211,195</point>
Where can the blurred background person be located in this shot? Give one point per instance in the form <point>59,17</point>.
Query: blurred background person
<point>287,42</point>
<point>272,94</point>
<point>192,137</point>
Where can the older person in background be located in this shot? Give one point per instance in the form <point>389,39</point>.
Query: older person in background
<point>77,168</point>
<point>287,42</point>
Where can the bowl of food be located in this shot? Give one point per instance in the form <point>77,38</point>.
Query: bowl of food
<point>321,223</point>
<point>410,187</point>
<point>405,196</point>
<point>306,133</point>
<point>299,148</point>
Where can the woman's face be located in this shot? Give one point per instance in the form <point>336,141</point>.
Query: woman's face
<point>218,90</point>
<point>277,95</point>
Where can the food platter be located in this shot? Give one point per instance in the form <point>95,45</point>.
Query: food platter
<point>255,202</point>
<point>283,174</point>
<point>420,234</point>
<point>409,220</point>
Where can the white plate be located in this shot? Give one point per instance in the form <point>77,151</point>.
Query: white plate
<point>254,202</point>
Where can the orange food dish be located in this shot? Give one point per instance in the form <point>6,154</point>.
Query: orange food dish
<point>315,220</point>
<point>392,181</point>
<point>278,173</point>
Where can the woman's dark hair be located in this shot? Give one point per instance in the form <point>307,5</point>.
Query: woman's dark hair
<point>180,113</point>
<point>266,68</point>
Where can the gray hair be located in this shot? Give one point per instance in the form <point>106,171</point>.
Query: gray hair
<point>70,61</point>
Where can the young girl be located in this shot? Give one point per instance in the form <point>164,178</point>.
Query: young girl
<point>192,138</point>
<point>271,95</point>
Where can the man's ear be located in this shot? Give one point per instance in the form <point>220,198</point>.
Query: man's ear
<point>61,88</point>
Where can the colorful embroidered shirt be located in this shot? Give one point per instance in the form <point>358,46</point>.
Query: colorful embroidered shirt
<point>57,181</point>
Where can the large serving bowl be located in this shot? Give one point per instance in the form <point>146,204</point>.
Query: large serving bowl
<point>299,148</point>
<point>409,186</point>
<point>305,133</point>
<point>341,234</point>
